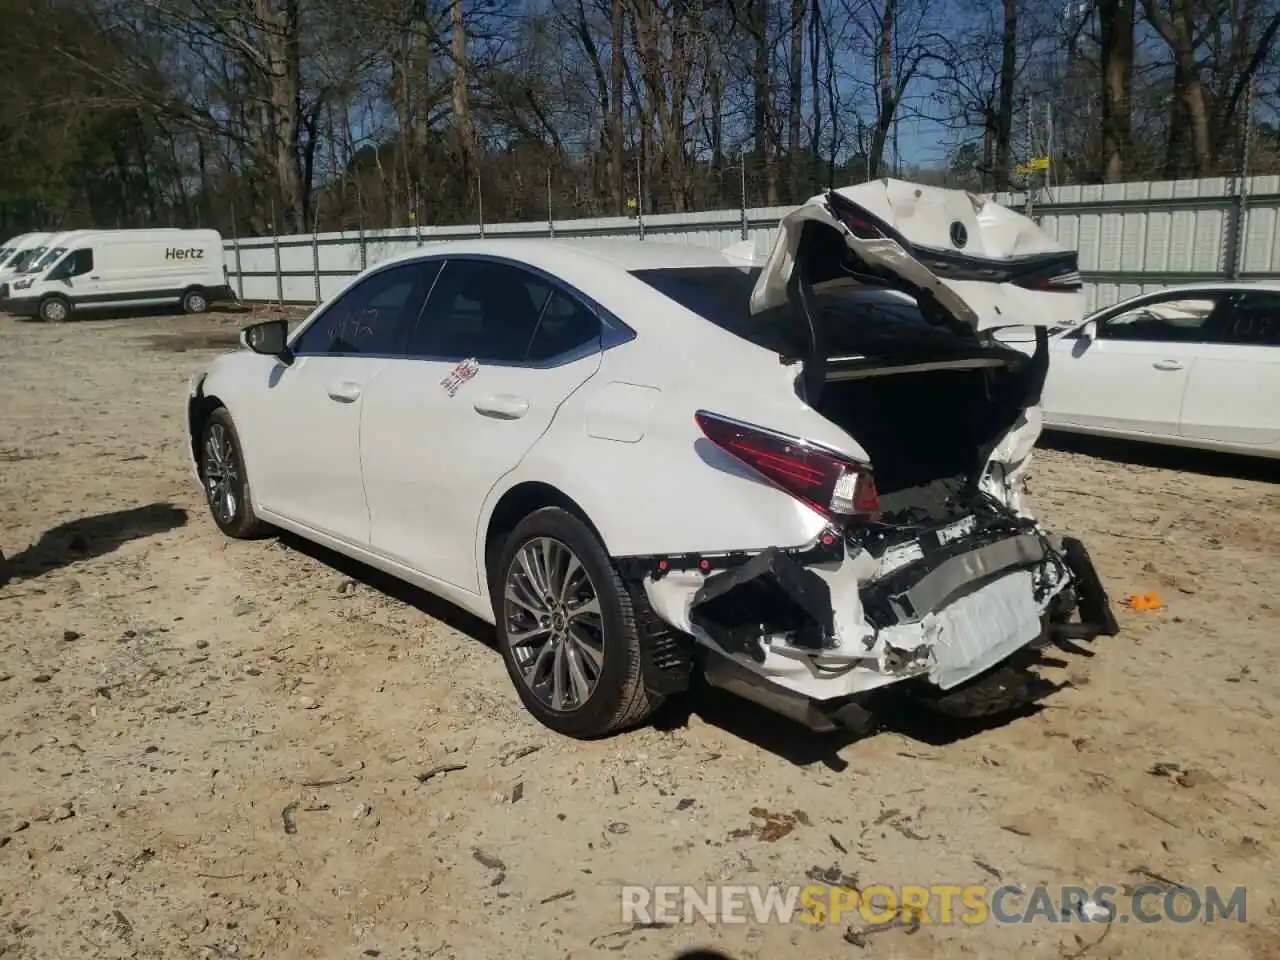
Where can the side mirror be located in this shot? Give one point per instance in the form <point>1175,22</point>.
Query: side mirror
<point>269,338</point>
<point>1089,331</point>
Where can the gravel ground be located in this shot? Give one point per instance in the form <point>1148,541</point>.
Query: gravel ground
<point>166,695</point>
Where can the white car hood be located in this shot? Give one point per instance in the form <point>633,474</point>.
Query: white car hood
<point>984,264</point>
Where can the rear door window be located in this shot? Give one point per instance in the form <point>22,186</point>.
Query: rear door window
<point>480,310</point>
<point>1252,320</point>
<point>565,328</point>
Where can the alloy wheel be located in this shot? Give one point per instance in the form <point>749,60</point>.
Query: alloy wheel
<point>553,622</point>
<point>221,474</point>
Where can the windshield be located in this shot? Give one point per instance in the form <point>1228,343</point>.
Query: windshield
<point>24,258</point>
<point>5,252</point>
<point>45,260</point>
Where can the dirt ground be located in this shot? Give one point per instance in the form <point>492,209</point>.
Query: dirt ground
<point>166,694</point>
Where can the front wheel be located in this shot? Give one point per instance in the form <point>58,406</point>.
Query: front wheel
<point>567,629</point>
<point>55,309</point>
<point>226,482</point>
<point>195,301</point>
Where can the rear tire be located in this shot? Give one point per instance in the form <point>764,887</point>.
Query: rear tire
<point>578,670</point>
<point>195,301</point>
<point>55,309</point>
<point>226,480</point>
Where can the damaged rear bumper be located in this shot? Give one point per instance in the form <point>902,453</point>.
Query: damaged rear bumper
<point>815,627</point>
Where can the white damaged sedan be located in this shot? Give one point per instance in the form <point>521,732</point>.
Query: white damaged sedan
<point>641,461</point>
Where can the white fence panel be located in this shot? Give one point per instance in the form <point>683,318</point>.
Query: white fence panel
<point>1131,237</point>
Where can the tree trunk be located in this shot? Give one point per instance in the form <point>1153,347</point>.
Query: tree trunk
<point>1115,22</point>
<point>463,126</point>
<point>604,100</point>
<point>618,175</point>
<point>283,61</point>
<point>1175,152</point>
<point>988,155</point>
<point>665,82</point>
<point>887,97</point>
<point>1176,27</point>
<point>815,91</point>
<point>762,112</point>
<point>1004,111</point>
<point>795,67</point>
<point>410,64</point>
<point>719,191</point>
<point>1197,111</point>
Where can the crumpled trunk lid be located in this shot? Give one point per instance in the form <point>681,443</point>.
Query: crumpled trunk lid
<point>982,265</point>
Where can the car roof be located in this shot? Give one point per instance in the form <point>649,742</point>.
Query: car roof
<point>621,254</point>
<point>1212,286</point>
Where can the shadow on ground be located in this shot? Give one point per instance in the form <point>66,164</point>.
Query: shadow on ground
<point>406,593</point>
<point>198,340</point>
<point>140,312</point>
<point>1181,459</point>
<point>1006,694</point>
<point>90,537</point>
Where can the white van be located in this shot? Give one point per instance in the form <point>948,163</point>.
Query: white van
<point>33,258</point>
<point>19,254</point>
<point>12,246</point>
<point>107,269</point>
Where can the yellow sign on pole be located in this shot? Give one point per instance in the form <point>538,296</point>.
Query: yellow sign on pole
<point>1034,165</point>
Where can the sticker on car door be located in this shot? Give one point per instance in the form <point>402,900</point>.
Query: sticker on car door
<point>464,371</point>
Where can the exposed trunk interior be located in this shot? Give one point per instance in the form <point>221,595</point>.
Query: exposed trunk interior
<point>924,395</point>
<point>928,433</point>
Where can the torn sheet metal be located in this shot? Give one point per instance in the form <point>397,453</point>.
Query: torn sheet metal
<point>1006,472</point>
<point>770,593</point>
<point>956,640</point>
<point>917,596</point>
<point>1006,271</point>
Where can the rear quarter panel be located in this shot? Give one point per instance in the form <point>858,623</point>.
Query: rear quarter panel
<point>625,447</point>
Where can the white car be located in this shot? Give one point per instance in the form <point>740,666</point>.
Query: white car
<point>640,460</point>
<point>1195,366</point>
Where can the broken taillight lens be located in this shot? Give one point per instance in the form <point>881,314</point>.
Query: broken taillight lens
<point>835,486</point>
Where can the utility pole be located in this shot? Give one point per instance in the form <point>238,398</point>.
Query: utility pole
<point>640,193</point>
<point>1031,153</point>
<point>1050,175</point>
<point>1242,186</point>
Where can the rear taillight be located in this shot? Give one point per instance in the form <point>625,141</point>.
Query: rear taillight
<point>1065,277</point>
<point>835,486</point>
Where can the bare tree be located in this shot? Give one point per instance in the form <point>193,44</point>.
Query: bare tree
<point>284,114</point>
<point>1115,22</point>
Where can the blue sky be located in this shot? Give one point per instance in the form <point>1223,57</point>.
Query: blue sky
<point>926,142</point>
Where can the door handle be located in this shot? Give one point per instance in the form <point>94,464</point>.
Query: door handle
<point>344,391</point>
<point>1167,365</point>
<point>95,278</point>
<point>502,406</point>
